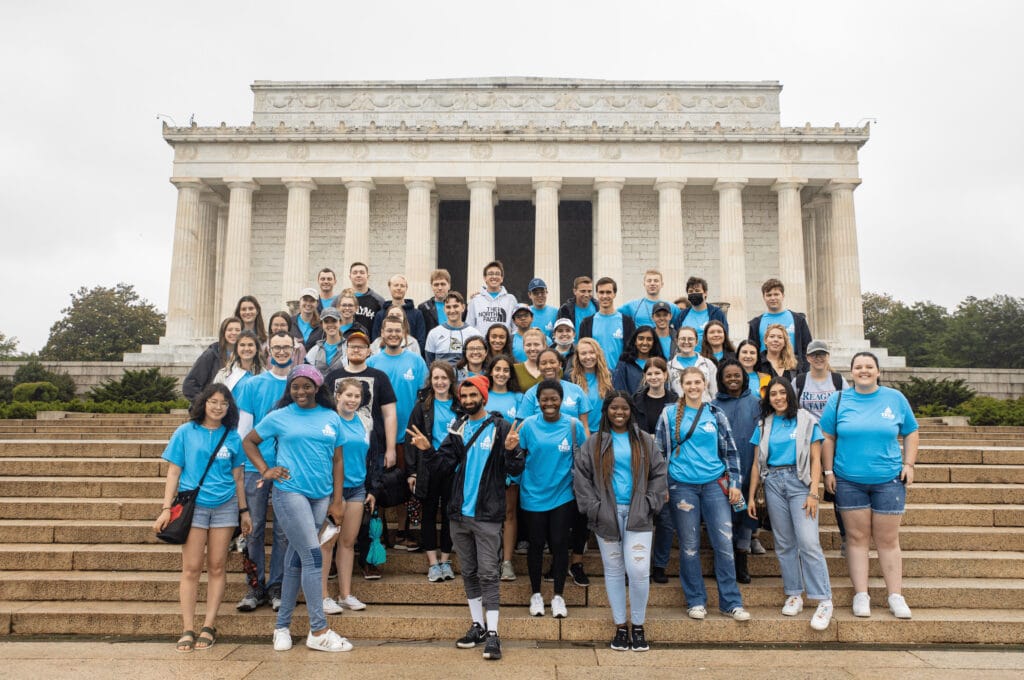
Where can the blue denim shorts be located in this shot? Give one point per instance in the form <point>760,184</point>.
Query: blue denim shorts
<point>223,515</point>
<point>352,494</point>
<point>887,498</point>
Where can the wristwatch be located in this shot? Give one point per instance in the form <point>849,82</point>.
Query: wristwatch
<point>828,472</point>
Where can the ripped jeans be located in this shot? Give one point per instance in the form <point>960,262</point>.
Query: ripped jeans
<point>689,502</point>
<point>637,565</point>
<point>301,519</point>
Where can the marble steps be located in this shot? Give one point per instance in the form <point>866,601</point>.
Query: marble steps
<point>414,589</point>
<point>584,624</point>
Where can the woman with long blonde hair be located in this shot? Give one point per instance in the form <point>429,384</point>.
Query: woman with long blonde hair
<point>778,359</point>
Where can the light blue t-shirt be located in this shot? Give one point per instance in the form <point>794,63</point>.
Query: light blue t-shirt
<point>443,417</point>
<point>355,445</point>
<point>476,461</point>
<point>867,431</point>
<point>329,351</point>
<point>258,397</point>
<point>546,481</point>
<point>640,310</point>
<point>782,442</point>
<point>544,318</point>
<point>622,470</point>
<point>304,327</point>
<point>609,335</point>
<point>407,373</point>
<point>517,348</point>
<point>696,461</point>
<point>580,314</point>
<point>574,401</point>
<point>785,317</point>
<point>594,403</point>
<point>306,439</point>
<point>666,346</point>
<point>506,403</point>
<point>696,320</point>
<point>754,383</point>
<point>685,362</point>
<point>442,317</point>
<point>190,448</point>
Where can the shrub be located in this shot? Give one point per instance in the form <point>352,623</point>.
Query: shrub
<point>991,411</point>
<point>33,371</point>
<point>143,386</point>
<point>921,392</point>
<point>6,389</point>
<point>28,409</point>
<point>34,391</point>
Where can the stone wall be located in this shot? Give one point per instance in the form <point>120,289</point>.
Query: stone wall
<point>88,374</point>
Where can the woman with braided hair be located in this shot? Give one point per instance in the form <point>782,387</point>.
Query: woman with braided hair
<point>620,484</point>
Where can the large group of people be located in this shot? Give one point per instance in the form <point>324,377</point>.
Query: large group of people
<point>515,427</point>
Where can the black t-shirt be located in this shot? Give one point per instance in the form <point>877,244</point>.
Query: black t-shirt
<point>650,411</point>
<point>377,391</point>
<point>369,304</point>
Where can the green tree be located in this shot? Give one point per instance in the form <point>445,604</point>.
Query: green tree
<point>8,347</point>
<point>915,332</point>
<point>102,324</point>
<point>34,372</point>
<point>986,333</point>
<point>877,307</point>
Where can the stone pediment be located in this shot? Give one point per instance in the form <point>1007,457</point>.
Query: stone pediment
<point>518,101</point>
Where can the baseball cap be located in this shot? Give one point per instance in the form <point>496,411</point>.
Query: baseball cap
<point>522,308</point>
<point>564,322</point>
<point>660,306</point>
<point>535,284</point>
<point>311,292</point>
<point>330,313</point>
<point>815,346</point>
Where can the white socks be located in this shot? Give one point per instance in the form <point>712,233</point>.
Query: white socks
<point>476,611</point>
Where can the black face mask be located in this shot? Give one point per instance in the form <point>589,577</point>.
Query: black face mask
<point>695,299</point>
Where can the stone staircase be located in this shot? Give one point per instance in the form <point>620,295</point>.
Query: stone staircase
<point>77,555</point>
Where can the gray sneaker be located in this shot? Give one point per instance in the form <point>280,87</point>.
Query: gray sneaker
<point>508,573</point>
<point>250,602</point>
<point>447,573</point>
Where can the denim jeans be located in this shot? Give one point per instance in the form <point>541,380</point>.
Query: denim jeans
<point>664,530</point>
<point>258,500</point>
<point>616,567</point>
<point>301,519</point>
<point>689,502</point>
<point>796,536</point>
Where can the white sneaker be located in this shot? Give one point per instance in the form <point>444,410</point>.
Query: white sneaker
<point>822,616</point>
<point>862,604</point>
<point>739,614</point>
<point>898,607</point>
<point>353,603</point>
<point>328,642</point>
<point>794,605</point>
<point>698,612</point>
<point>536,605</point>
<point>558,609</point>
<point>282,639</point>
<point>332,607</point>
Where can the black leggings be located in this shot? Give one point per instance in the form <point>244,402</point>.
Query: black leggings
<point>552,526</point>
<point>438,495</point>
<point>580,533</point>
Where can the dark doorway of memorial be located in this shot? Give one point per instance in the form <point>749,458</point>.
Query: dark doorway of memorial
<point>514,244</point>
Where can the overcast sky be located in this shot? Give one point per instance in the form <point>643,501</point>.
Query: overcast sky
<point>84,196</point>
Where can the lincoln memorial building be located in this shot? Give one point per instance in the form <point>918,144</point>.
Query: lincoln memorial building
<point>556,178</point>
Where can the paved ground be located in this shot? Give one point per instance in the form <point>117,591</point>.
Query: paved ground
<point>393,661</point>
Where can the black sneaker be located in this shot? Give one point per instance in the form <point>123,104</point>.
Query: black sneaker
<point>579,577</point>
<point>549,576</point>
<point>473,637</point>
<point>658,575</point>
<point>492,648</point>
<point>639,642</point>
<point>621,641</point>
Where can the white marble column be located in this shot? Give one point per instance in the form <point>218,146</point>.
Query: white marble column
<point>848,305</point>
<point>183,294</point>
<point>417,238</point>
<point>222,247</point>
<point>295,270</point>
<point>608,255</point>
<point>545,248</point>
<point>357,222</point>
<point>206,309</point>
<point>791,242</point>
<point>825,326</point>
<point>731,255</point>
<point>238,247</point>
<point>670,234</point>
<point>811,267</point>
<point>481,229</point>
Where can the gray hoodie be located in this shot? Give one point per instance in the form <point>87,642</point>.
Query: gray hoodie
<point>484,311</point>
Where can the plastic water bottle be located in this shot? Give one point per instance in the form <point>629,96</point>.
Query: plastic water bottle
<point>740,506</point>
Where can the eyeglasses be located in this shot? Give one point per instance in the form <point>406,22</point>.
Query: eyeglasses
<point>687,341</point>
<point>280,348</point>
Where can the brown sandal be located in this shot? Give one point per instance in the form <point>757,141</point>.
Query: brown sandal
<point>207,637</point>
<point>187,641</point>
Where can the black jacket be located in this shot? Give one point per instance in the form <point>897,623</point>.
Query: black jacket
<point>801,335</point>
<point>412,315</point>
<point>202,373</point>
<point>490,503</point>
<point>420,462</point>
<point>568,310</point>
